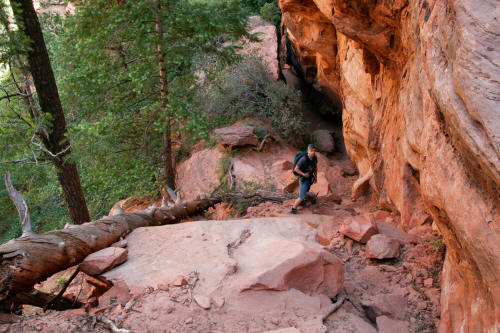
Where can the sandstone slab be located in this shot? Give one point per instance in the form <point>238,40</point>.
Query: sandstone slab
<point>359,227</point>
<point>236,136</point>
<point>382,247</point>
<point>252,268</point>
<point>103,260</point>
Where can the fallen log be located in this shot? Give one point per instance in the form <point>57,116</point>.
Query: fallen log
<point>32,258</point>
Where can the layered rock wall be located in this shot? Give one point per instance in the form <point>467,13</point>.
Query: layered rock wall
<point>419,84</point>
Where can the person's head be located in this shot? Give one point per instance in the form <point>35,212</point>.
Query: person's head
<point>311,151</point>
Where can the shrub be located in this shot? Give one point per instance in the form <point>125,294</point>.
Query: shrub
<point>271,12</point>
<point>247,90</point>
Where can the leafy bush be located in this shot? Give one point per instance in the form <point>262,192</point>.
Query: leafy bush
<point>247,90</point>
<point>271,12</point>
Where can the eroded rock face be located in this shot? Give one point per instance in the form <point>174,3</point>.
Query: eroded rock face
<point>419,82</point>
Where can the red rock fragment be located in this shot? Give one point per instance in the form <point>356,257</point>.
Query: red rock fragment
<point>359,227</point>
<point>103,260</point>
<point>382,247</point>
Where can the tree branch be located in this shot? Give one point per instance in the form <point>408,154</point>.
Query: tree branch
<point>21,206</point>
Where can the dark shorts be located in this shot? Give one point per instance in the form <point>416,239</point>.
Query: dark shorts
<point>304,186</point>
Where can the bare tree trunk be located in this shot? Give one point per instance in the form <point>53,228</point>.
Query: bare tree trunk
<point>56,142</point>
<point>25,261</point>
<point>168,167</point>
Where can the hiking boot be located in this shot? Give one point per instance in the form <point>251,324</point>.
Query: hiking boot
<point>293,211</point>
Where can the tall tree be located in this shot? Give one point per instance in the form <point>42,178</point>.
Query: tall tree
<point>134,61</point>
<point>168,166</point>
<point>55,141</point>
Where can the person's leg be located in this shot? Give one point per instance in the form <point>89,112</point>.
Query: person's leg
<point>304,186</point>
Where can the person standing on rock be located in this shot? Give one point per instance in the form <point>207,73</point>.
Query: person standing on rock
<point>306,168</point>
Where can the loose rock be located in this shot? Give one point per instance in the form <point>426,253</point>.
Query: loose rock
<point>103,260</point>
<point>359,227</point>
<point>236,136</point>
<point>382,247</point>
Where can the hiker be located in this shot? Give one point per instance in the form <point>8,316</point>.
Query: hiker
<point>306,169</point>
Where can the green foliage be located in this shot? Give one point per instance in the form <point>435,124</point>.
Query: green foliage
<point>246,90</point>
<point>253,6</point>
<point>271,12</point>
<point>106,65</point>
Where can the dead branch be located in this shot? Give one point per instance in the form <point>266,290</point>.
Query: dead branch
<point>21,206</point>
<point>231,176</point>
<point>261,145</point>
<point>112,326</point>
<point>256,197</point>
<point>334,307</point>
<point>28,260</point>
<point>40,299</point>
<point>61,292</point>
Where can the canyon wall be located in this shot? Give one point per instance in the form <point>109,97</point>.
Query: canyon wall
<point>419,83</point>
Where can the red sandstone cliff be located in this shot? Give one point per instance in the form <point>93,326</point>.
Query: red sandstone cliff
<point>419,85</point>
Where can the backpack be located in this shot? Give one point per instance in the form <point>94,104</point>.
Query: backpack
<point>296,160</point>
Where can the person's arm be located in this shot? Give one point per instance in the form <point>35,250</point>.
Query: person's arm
<point>297,170</point>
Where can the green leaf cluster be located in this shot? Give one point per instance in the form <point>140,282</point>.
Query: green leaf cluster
<point>105,59</point>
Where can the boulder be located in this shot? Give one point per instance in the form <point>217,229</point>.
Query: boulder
<point>324,141</point>
<point>198,175</point>
<point>391,231</point>
<point>327,230</point>
<point>359,227</point>
<point>292,265</point>
<point>103,260</point>
<point>282,165</point>
<point>382,247</point>
<point>388,325</point>
<point>322,186</point>
<point>288,182</point>
<point>384,305</point>
<point>236,136</point>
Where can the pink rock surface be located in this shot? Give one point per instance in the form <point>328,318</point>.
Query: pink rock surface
<point>382,247</point>
<point>388,325</point>
<point>198,175</point>
<point>288,182</point>
<point>252,268</point>
<point>359,227</point>
<point>322,186</point>
<point>328,229</point>
<point>103,260</point>
<point>236,136</point>
<point>393,306</point>
<point>282,165</point>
